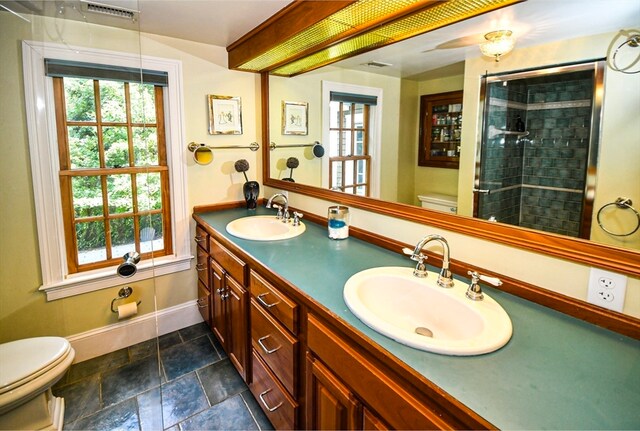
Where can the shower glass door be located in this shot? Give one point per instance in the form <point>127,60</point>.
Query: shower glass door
<point>110,201</point>
<point>539,148</point>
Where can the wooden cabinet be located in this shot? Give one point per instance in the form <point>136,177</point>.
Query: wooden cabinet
<point>274,329</point>
<point>440,130</point>
<point>360,377</point>
<point>227,301</point>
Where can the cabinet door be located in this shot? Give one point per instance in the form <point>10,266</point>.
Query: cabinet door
<point>330,404</point>
<point>236,303</point>
<point>218,312</point>
<point>204,303</point>
<point>371,422</point>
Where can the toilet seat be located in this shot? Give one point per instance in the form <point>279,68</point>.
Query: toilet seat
<point>24,360</point>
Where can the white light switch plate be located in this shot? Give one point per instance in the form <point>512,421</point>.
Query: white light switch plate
<point>607,289</point>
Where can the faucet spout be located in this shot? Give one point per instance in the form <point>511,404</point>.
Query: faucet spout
<point>285,212</point>
<point>445,278</point>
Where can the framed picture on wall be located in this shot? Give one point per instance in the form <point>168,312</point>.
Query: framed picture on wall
<point>225,115</point>
<point>295,118</point>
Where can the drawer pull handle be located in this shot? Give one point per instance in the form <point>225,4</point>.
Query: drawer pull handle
<point>267,350</point>
<point>199,267</point>
<point>263,302</point>
<point>264,403</point>
<point>200,302</point>
<point>199,239</point>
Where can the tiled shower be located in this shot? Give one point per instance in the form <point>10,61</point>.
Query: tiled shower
<point>535,152</point>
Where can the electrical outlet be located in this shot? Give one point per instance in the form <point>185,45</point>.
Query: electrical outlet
<point>607,289</point>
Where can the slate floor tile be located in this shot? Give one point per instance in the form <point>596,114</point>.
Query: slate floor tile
<point>217,345</point>
<point>221,381</point>
<point>130,380</point>
<point>170,339</point>
<point>81,398</point>
<point>182,398</point>
<point>231,414</point>
<point>194,331</point>
<point>96,365</point>
<point>144,349</point>
<point>183,358</point>
<point>121,416</point>
<point>150,410</point>
<point>258,414</point>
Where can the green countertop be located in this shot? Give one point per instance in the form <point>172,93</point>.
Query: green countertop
<point>556,372</point>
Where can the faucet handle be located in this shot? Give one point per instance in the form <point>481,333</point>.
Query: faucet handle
<point>421,268</point>
<point>296,218</point>
<point>412,254</point>
<point>279,208</point>
<point>474,292</point>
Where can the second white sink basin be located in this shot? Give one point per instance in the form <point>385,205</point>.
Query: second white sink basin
<point>263,228</point>
<point>419,313</point>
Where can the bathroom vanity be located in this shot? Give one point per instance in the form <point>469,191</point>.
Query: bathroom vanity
<point>277,307</point>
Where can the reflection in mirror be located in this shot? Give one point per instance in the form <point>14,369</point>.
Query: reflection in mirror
<point>448,60</point>
<point>538,150</point>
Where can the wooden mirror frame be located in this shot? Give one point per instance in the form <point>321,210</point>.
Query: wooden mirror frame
<point>577,250</point>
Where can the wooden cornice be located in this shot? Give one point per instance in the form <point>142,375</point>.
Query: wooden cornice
<point>292,19</point>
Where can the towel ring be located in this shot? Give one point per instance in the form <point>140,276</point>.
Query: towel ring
<point>622,203</point>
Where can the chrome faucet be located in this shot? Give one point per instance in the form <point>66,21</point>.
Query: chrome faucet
<point>283,212</point>
<point>445,278</point>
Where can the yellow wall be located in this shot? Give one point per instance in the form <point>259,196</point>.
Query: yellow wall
<point>24,311</point>
<point>436,180</point>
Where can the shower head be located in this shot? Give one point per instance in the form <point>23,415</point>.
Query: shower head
<point>128,268</point>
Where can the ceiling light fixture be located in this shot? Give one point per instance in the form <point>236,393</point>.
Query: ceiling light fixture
<point>498,44</point>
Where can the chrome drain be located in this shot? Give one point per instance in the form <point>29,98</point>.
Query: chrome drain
<point>421,330</point>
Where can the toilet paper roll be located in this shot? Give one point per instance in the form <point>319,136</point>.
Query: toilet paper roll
<point>127,310</point>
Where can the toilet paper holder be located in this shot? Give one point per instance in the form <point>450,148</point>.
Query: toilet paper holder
<point>123,293</point>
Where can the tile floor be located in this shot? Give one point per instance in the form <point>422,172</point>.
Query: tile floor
<point>192,387</point>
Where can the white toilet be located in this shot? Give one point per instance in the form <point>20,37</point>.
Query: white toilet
<point>28,370</point>
<point>439,202</point>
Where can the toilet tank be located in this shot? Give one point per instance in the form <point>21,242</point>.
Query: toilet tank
<point>439,202</point>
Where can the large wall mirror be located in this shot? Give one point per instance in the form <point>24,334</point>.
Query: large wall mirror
<point>448,60</point>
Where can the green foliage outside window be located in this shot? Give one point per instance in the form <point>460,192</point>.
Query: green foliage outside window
<point>84,153</point>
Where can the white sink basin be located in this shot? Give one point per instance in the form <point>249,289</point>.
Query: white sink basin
<point>263,228</point>
<point>395,303</point>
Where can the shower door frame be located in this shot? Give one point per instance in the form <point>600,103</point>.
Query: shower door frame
<point>598,66</point>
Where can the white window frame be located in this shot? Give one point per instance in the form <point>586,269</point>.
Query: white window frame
<point>43,146</point>
<point>375,126</point>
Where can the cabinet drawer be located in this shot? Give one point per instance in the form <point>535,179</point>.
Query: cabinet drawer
<point>234,266</point>
<point>204,302</point>
<point>275,345</point>
<point>202,266</point>
<point>202,238</point>
<point>274,301</point>
<point>274,401</point>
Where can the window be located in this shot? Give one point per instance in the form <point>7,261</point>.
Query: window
<point>352,127</point>
<point>113,169</point>
<point>109,161</point>
<point>349,159</point>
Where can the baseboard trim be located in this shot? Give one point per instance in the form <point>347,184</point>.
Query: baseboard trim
<point>119,335</point>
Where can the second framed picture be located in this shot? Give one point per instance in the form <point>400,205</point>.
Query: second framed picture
<point>295,118</point>
<point>225,115</point>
